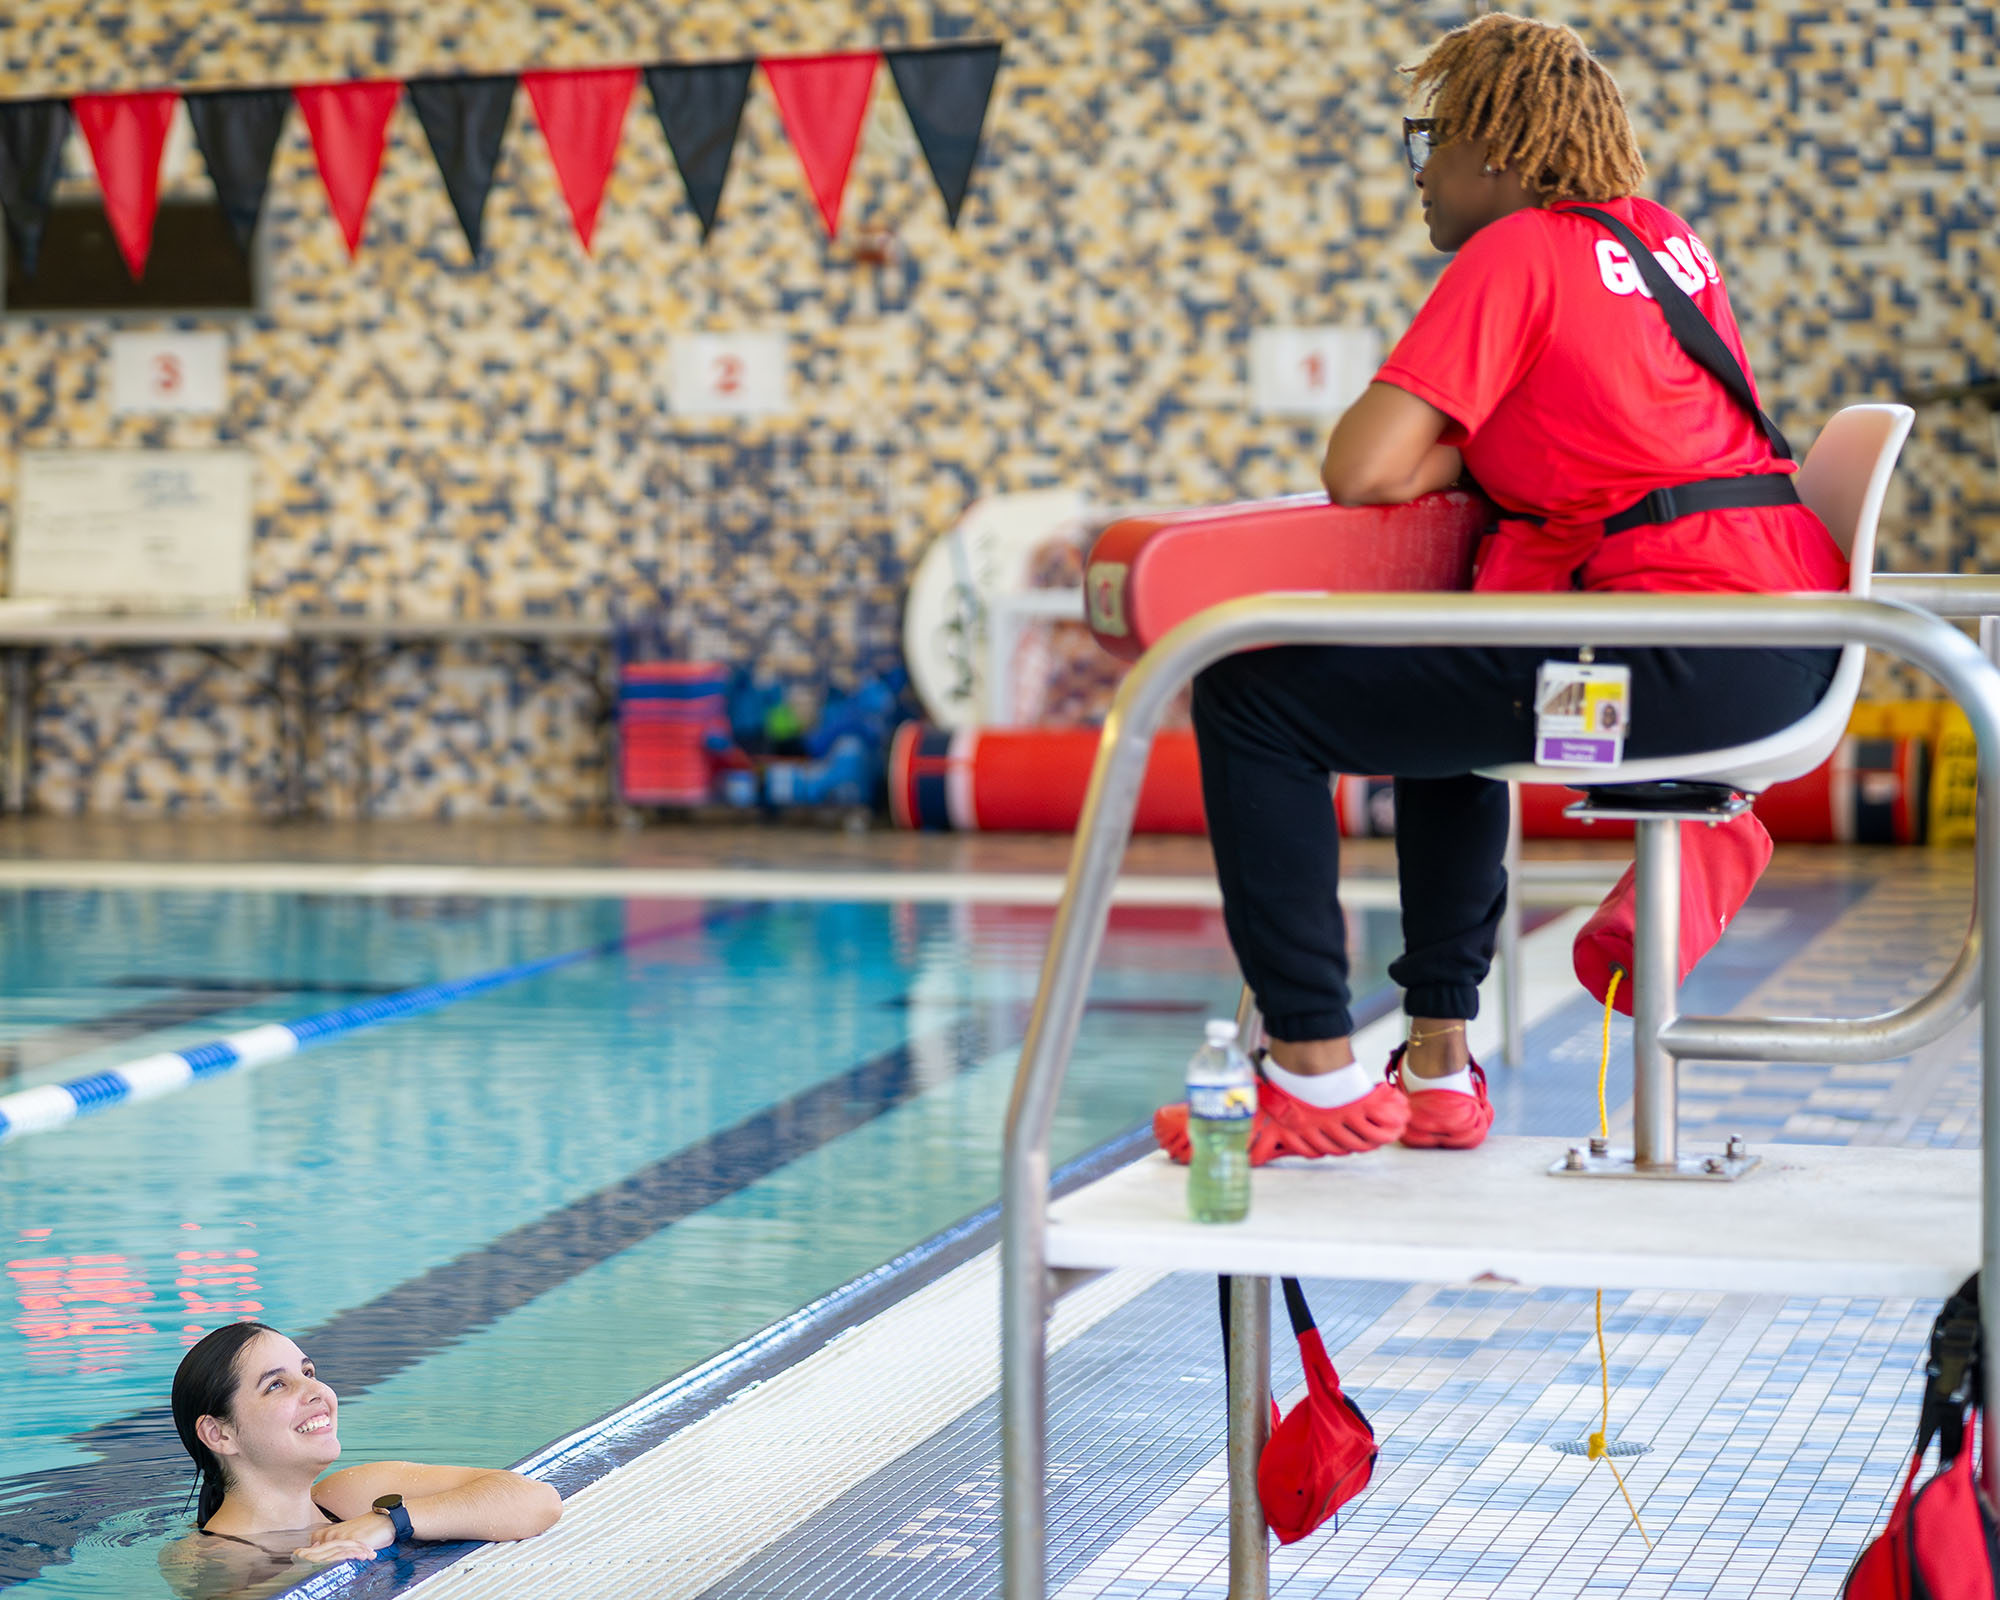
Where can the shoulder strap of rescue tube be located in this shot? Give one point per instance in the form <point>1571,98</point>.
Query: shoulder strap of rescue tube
<point>1691,330</point>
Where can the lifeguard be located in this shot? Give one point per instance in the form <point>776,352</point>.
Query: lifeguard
<point>1545,367</point>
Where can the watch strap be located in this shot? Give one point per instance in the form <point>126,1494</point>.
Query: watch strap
<point>391,1506</point>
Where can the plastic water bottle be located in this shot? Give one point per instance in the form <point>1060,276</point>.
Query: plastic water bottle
<point>1222,1099</point>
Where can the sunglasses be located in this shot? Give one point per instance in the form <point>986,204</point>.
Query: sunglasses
<point>1417,141</point>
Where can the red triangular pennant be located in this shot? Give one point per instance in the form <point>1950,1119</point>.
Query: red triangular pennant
<point>349,123</point>
<point>583,117</point>
<point>127,133</point>
<point>822,100</point>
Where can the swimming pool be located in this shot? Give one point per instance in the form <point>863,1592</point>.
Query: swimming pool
<point>505,1217</point>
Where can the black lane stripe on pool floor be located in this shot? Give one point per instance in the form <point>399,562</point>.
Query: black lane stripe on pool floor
<point>141,1461</point>
<point>615,1440</point>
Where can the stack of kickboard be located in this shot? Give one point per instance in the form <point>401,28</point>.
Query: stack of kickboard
<point>668,711</point>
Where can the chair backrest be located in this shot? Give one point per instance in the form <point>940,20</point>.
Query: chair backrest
<point>1845,475</point>
<point>1843,480</point>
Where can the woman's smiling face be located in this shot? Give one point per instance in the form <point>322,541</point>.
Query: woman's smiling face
<point>282,1415</point>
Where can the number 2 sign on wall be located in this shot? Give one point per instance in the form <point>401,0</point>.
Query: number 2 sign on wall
<point>730,374</point>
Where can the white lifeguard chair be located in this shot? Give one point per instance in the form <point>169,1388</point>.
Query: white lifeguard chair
<point>1808,1220</point>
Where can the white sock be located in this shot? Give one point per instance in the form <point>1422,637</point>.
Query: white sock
<point>1342,1086</point>
<point>1460,1081</point>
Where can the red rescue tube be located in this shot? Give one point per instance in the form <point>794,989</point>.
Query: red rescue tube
<point>1149,572</point>
<point>1720,865</point>
<point>1030,780</point>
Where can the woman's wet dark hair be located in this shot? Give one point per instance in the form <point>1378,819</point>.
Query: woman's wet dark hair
<point>205,1386</point>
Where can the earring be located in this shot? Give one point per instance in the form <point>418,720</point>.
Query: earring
<point>1492,172</point>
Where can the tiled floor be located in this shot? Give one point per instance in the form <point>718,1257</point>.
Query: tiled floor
<point>1776,1429</point>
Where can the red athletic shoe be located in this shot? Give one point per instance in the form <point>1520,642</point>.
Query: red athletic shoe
<point>1443,1119</point>
<point>1287,1126</point>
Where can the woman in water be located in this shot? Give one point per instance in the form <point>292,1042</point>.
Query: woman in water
<point>261,1428</point>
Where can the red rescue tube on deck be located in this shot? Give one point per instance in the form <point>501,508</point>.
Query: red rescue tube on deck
<point>1030,780</point>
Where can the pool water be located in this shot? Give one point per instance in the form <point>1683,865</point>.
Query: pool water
<point>509,1216</point>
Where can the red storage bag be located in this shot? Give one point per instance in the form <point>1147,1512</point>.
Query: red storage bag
<point>1720,865</point>
<point>1940,1540</point>
<point>1323,1454</point>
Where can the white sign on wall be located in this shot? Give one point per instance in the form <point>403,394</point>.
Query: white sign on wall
<point>1311,372</point>
<point>730,374</point>
<point>168,372</point>
<point>137,528</point>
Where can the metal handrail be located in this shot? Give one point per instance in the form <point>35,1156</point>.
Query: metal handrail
<point>1890,1034</point>
<point>1943,594</point>
<point>1405,619</point>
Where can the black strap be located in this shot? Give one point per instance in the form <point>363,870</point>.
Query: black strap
<point>1295,1308</point>
<point>1953,1372</point>
<point>1708,494</point>
<point>1691,330</point>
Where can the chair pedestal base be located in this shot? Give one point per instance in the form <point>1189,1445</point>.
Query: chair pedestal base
<point>1582,1163</point>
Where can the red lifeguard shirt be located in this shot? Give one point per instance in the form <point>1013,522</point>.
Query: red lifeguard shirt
<point>1570,400</point>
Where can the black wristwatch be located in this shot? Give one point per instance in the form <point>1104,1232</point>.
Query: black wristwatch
<point>391,1506</point>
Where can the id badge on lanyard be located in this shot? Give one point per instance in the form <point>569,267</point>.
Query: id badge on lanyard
<point>1582,712</point>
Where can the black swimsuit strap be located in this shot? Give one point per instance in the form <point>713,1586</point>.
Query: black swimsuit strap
<point>235,1538</point>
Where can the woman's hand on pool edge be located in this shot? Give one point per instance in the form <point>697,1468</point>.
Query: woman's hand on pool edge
<point>442,1502</point>
<point>348,1541</point>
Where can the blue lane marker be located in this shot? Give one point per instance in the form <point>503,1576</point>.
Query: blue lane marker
<point>140,1465</point>
<point>53,1104</point>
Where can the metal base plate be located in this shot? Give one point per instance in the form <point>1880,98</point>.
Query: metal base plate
<point>1620,1448</point>
<point>1621,1164</point>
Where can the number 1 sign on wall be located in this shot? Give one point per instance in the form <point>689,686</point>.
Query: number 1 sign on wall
<point>1311,372</point>
<point>730,375</point>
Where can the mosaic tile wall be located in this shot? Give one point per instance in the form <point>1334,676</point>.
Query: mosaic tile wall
<point>1160,177</point>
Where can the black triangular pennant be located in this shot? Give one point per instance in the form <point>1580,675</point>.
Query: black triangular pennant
<point>945,91</point>
<point>237,132</point>
<point>465,120</point>
<point>699,108</point>
<point>31,141</point>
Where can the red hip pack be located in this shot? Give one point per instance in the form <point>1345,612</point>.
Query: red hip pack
<point>1940,1540</point>
<point>1323,1454</point>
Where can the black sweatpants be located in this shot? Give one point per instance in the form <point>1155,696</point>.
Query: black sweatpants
<point>1272,724</point>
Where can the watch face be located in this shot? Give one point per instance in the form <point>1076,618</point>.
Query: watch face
<point>388,1502</point>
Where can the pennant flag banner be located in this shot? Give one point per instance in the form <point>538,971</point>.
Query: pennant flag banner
<point>349,124</point>
<point>822,100</point>
<point>31,141</point>
<point>583,117</point>
<point>465,119</point>
<point>700,108</point>
<point>128,135</point>
<point>237,132</point>
<point>946,92</point>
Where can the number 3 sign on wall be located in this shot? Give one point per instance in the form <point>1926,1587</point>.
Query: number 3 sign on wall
<point>730,375</point>
<point>168,372</point>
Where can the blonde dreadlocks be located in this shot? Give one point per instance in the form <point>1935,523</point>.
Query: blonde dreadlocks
<point>1539,100</point>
